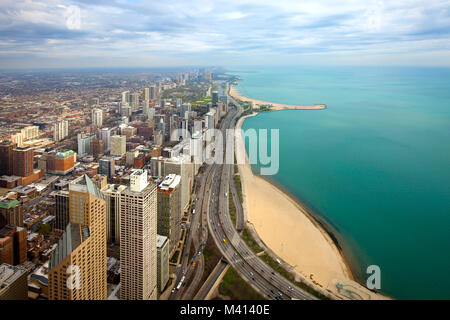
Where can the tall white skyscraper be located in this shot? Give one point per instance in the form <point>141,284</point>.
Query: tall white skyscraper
<point>145,107</point>
<point>146,94</point>
<point>138,253</point>
<point>60,130</point>
<point>97,117</point>
<point>126,97</point>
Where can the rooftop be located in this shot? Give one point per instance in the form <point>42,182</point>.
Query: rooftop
<point>8,274</point>
<point>74,235</point>
<point>160,240</point>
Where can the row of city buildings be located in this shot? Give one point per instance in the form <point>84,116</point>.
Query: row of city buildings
<point>122,181</point>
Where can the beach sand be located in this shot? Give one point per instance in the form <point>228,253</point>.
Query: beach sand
<point>275,106</point>
<point>290,232</point>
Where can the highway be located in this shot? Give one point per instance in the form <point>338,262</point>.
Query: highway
<point>262,277</point>
<point>212,207</point>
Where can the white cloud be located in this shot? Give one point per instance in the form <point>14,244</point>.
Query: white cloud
<point>226,31</point>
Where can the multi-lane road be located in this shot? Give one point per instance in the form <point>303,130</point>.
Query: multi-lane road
<point>211,207</point>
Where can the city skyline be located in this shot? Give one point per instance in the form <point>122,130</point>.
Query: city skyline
<point>81,34</point>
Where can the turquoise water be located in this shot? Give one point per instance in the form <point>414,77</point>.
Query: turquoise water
<point>375,165</point>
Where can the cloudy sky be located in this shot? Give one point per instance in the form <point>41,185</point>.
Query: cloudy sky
<point>86,33</point>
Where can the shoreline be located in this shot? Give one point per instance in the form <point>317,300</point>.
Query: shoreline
<point>309,245</point>
<point>234,92</point>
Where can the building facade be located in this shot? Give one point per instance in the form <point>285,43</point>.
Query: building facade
<point>138,256</point>
<point>77,268</point>
<point>162,247</point>
<point>118,145</point>
<point>169,211</point>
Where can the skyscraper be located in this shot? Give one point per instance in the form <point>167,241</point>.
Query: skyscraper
<point>23,161</point>
<point>60,130</point>
<point>118,145</point>
<point>97,117</point>
<point>113,206</point>
<point>62,209</point>
<point>106,166</point>
<point>125,97</point>
<point>162,247</point>
<point>77,268</point>
<point>84,143</point>
<point>169,211</point>
<point>145,107</point>
<point>152,92</point>
<point>105,136</point>
<point>134,100</point>
<point>146,94</point>
<point>97,148</point>
<point>138,256</point>
<point>11,212</point>
<point>6,157</point>
<point>215,98</point>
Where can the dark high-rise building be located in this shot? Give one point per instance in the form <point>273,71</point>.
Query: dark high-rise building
<point>106,166</point>
<point>97,148</point>
<point>62,210</point>
<point>6,250</point>
<point>20,245</point>
<point>22,161</point>
<point>13,244</point>
<point>6,157</point>
<point>215,98</point>
<point>11,212</point>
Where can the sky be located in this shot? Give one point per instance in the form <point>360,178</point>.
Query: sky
<point>138,33</point>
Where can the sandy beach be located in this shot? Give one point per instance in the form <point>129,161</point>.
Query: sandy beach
<point>287,228</point>
<point>275,106</point>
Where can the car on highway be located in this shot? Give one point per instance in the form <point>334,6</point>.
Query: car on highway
<point>251,273</point>
<point>224,241</point>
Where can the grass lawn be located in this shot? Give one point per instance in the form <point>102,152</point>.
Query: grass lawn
<point>236,288</point>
